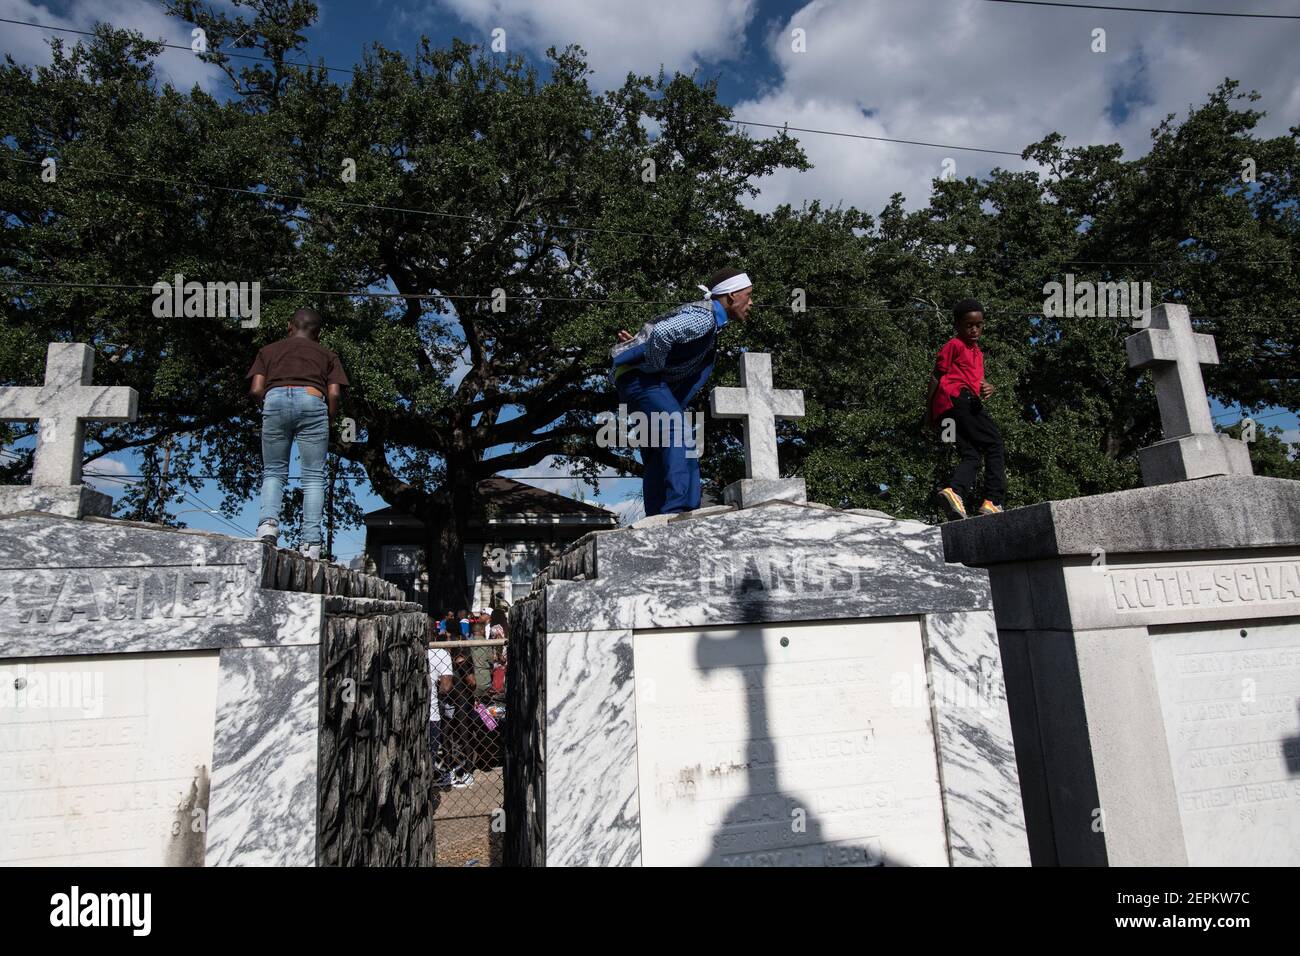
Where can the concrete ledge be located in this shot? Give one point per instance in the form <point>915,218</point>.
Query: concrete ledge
<point>68,501</point>
<point>1191,457</point>
<point>1210,514</point>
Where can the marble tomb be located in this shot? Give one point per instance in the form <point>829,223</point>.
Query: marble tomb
<point>776,684</point>
<point>1151,642</point>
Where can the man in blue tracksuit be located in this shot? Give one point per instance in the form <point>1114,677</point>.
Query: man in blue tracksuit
<point>662,368</point>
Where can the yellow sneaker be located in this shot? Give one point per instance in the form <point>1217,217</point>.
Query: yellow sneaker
<point>989,508</point>
<point>952,502</point>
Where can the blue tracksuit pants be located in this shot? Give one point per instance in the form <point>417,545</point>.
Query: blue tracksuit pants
<point>672,480</point>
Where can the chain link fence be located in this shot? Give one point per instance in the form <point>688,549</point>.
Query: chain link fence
<point>467,742</point>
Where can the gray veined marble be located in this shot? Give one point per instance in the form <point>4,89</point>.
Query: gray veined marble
<point>593,816</point>
<point>210,650</point>
<point>263,803</point>
<point>977,757</point>
<point>791,561</point>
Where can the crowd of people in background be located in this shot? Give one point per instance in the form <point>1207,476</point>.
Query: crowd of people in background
<point>467,693</point>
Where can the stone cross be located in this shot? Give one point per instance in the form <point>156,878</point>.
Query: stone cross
<point>1191,447</point>
<point>62,406</point>
<point>759,405</point>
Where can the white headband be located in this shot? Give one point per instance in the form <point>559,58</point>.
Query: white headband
<point>734,284</point>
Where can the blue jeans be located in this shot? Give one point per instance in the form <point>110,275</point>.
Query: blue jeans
<point>294,415</point>
<point>672,480</point>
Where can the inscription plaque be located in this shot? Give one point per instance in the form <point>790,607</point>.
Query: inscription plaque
<point>755,752</point>
<point>1232,721</point>
<point>104,760</point>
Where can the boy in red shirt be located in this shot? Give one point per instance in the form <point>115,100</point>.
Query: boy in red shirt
<point>956,391</point>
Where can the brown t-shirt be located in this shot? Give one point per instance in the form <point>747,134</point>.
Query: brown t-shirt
<point>298,360</point>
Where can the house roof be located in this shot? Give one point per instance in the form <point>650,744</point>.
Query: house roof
<point>506,501</point>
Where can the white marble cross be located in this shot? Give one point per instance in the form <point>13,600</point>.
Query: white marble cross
<point>759,406</point>
<point>1177,353</point>
<point>62,406</point>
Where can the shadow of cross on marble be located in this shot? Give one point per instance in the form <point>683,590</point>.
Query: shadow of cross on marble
<point>61,407</point>
<point>758,405</point>
<point>1190,448</point>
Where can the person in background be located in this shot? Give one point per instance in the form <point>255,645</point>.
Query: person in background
<point>482,656</point>
<point>439,689</point>
<point>461,720</point>
<point>464,625</point>
<point>299,383</point>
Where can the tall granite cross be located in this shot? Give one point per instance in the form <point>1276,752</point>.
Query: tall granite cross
<point>62,406</point>
<point>1191,447</point>
<point>759,405</point>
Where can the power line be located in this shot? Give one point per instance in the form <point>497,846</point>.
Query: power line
<point>1242,416</point>
<point>263,193</point>
<point>880,139</point>
<point>1185,13</point>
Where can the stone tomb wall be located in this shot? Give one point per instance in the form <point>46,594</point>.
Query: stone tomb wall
<point>1151,640</point>
<point>163,700</point>
<point>376,776</point>
<point>785,684</point>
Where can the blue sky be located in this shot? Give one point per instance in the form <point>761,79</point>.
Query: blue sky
<point>962,72</point>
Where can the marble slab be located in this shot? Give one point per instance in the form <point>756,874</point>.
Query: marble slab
<point>70,501</point>
<point>785,744</point>
<point>106,760</point>
<point>1231,706</point>
<point>264,783</point>
<point>593,816</point>
<point>977,757</point>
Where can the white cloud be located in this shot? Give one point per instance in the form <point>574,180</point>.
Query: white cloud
<point>618,37</point>
<point>106,466</point>
<point>30,46</point>
<point>629,510</point>
<point>979,74</point>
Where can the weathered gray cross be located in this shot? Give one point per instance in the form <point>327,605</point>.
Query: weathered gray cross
<point>1191,447</point>
<point>62,406</point>
<point>759,405</point>
<point>1177,354</point>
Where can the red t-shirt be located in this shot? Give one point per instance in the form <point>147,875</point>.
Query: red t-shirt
<point>958,366</point>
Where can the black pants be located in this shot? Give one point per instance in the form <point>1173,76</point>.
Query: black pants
<point>977,438</point>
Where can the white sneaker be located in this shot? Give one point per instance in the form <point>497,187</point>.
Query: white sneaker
<point>462,780</point>
<point>268,531</point>
<point>311,551</point>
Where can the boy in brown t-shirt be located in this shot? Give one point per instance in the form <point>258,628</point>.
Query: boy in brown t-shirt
<point>299,383</point>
